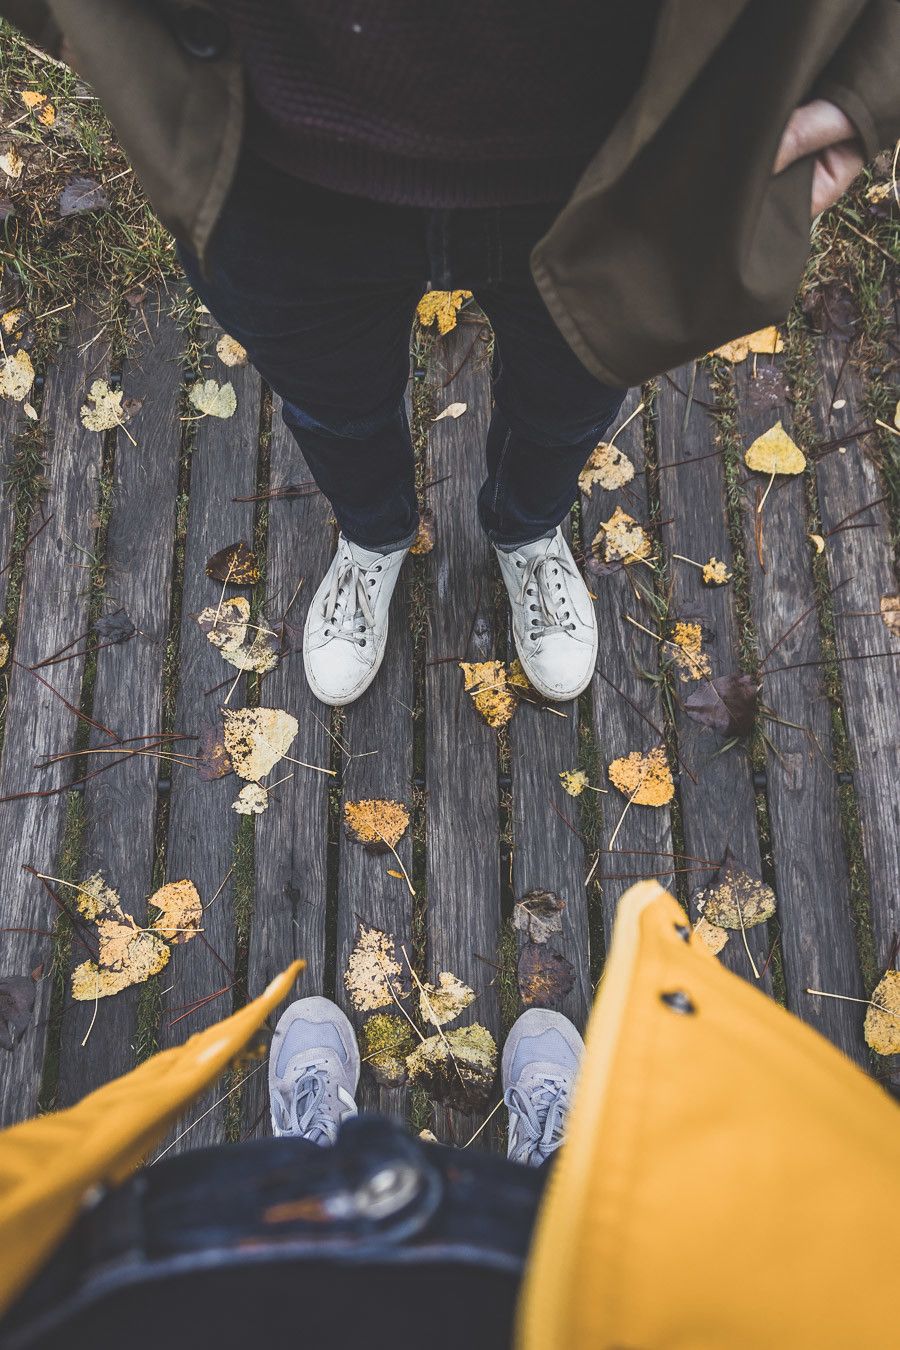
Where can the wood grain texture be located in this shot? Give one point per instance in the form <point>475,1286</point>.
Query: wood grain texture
<point>462,813</point>
<point>380,722</point>
<point>202,825</point>
<point>718,809</point>
<point>811,875</point>
<point>53,611</point>
<point>860,563</point>
<point>12,422</point>
<point>625,703</point>
<point>548,849</point>
<point>291,843</point>
<point>120,805</point>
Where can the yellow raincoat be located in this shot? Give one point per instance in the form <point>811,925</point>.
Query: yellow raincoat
<point>729,1180</point>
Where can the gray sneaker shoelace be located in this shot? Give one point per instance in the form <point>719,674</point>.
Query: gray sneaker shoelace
<point>348,614</point>
<point>554,602</point>
<point>541,1115</point>
<point>303,1108</point>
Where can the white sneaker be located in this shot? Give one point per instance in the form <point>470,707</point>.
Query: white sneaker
<point>347,623</point>
<point>313,1071</point>
<point>554,625</point>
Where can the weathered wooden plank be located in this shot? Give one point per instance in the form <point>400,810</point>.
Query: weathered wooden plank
<point>202,825</point>
<point>12,422</point>
<point>291,842</point>
<point>811,875</point>
<point>120,805</point>
<point>378,733</point>
<point>548,848</point>
<point>627,708</point>
<point>462,810</point>
<point>718,807</point>
<point>858,554</point>
<point>53,611</point>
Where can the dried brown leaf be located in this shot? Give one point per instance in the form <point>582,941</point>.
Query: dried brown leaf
<point>236,564</point>
<point>538,915</point>
<point>456,1068</point>
<point>443,1002</point>
<point>544,976</point>
<point>735,899</point>
<point>257,738</point>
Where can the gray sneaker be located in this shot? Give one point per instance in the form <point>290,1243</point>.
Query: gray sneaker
<point>541,1058</point>
<point>313,1071</point>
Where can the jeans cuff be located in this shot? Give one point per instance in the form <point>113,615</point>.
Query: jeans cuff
<point>406,542</point>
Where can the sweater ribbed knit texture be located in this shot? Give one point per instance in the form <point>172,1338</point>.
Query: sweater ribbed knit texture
<point>438,103</point>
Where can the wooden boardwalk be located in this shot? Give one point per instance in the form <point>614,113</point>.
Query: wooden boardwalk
<point>127,520</point>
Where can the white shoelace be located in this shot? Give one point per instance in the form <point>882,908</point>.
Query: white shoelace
<point>552,595</point>
<point>347,612</point>
<point>539,1119</point>
<point>303,1109</point>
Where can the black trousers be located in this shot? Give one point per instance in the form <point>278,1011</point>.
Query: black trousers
<point>321,289</point>
<point>380,1240</point>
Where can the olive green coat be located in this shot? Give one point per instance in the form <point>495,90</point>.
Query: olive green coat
<point>677,236</point>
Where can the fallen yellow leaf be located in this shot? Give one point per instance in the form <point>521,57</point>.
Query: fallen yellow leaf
<point>16,376</point>
<point>890,613</point>
<point>213,399</point>
<point>373,821</point>
<point>440,307</point>
<point>624,538</point>
<point>645,778</point>
<point>230,352</point>
<point>691,662</point>
<point>486,682</point>
<point>775,452</point>
<point>103,409</point>
<point>180,909</point>
<point>608,468</point>
<point>763,341</point>
<point>372,969</point>
<point>252,800</point>
<point>257,738</point>
<point>715,573</point>
<point>443,1002</point>
<point>574,781</point>
<point>882,1024</point>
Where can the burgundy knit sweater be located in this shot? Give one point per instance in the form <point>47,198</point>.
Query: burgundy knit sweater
<point>439,103</point>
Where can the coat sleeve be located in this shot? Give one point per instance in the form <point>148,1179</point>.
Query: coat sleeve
<point>863,77</point>
<point>34,19</point>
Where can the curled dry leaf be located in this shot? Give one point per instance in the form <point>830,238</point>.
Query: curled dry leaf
<point>727,704</point>
<point>539,914</point>
<point>487,683</point>
<point>4,646</point>
<point>257,738</point>
<point>11,162</point>
<point>230,352</point>
<point>115,627</point>
<point>225,624</point>
<point>574,781</point>
<point>103,408</point>
<point>180,911</point>
<point>890,613</point>
<point>443,1002</point>
<point>16,376</point>
<point>252,800</point>
<point>608,468</point>
<point>712,937</point>
<point>236,564</point>
<point>451,410</point>
<point>212,758</point>
<point>213,399</point>
<point>440,307</point>
<point>372,970</point>
<point>16,1004</point>
<point>456,1068</point>
<point>763,341</point>
<point>81,195</point>
<point>817,541</point>
<point>882,1024</point>
<point>691,661</point>
<point>715,573</point>
<point>646,779</point>
<point>624,539</point>
<point>544,976</point>
<point>40,105</point>
<point>424,540</point>
<point>13,323</point>
<point>378,824</point>
<point>385,1040</point>
<point>735,899</point>
<point>775,452</point>
<point>126,954</point>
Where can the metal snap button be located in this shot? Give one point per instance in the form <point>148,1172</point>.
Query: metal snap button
<point>201,33</point>
<point>678,1001</point>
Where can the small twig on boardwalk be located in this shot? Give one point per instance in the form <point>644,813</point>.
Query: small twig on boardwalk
<point>399,863</point>
<point>28,543</point>
<point>848,998</point>
<point>488,1118</point>
<point>98,726</point>
<point>76,922</point>
<point>833,590</point>
<point>200,1003</point>
<point>853,514</point>
<point>212,1108</point>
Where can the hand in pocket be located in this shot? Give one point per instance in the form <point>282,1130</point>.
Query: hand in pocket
<point>820,128</point>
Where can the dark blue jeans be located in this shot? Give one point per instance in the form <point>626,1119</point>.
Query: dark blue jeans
<point>377,1240</point>
<point>321,289</point>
